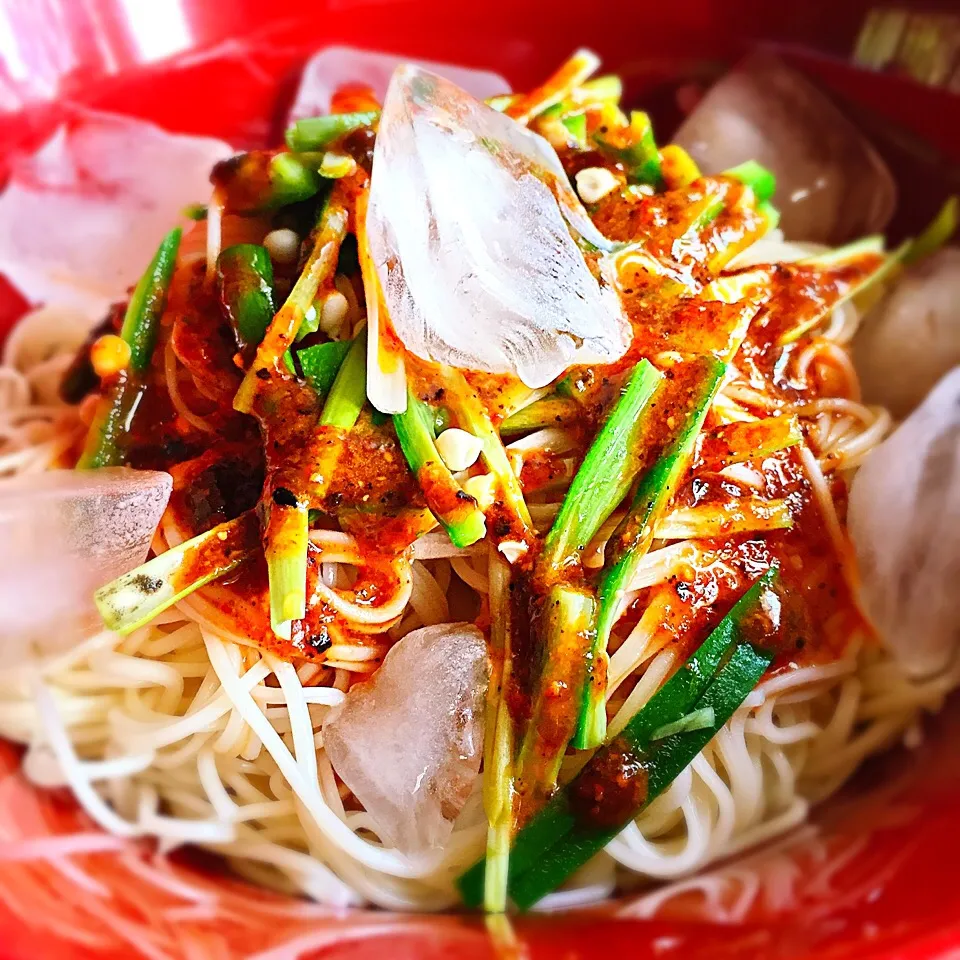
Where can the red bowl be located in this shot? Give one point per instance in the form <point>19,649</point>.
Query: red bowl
<point>874,874</point>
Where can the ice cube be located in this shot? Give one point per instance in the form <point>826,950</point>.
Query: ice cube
<point>904,520</point>
<point>62,535</point>
<point>408,741</point>
<point>468,225</point>
<point>335,67</point>
<point>912,337</point>
<point>81,218</point>
<point>832,185</point>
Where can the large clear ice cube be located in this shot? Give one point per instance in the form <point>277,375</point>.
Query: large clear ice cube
<point>336,67</point>
<point>81,217</point>
<point>904,520</point>
<point>832,185</point>
<point>62,535</point>
<point>470,224</point>
<point>912,338</point>
<point>408,741</point>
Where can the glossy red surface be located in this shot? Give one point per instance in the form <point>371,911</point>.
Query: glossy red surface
<point>875,876</point>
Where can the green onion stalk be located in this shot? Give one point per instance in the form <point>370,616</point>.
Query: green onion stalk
<point>247,297</point>
<point>282,331</point>
<point>604,477</point>
<point>455,510</point>
<point>135,598</point>
<point>286,521</point>
<point>246,292</point>
<point>471,415</point>
<point>547,412</point>
<point>686,228</point>
<point>632,538</point>
<point>655,746</point>
<point>762,184</point>
<point>639,156</point>
<point>286,538</point>
<point>262,180</point>
<point>749,440</point>
<point>937,234</point>
<point>498,742</point>
<point>757,215</point>
<point>568,638</point>
<point>555,88</point>
<point>716,196</point>
<point>868,248</point>
<point>287,528</point>
<point>654,768</point>
<point>321,363</point>
<point>566,626</point>
<point>576,126</point>
<point>348,390</point>
<point>117,407</point>
<point>317,133</point>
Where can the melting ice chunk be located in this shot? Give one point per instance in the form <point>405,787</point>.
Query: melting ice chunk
<point>62,535</point>
<point>912,338</point>
<point>335,67</point>
<point>905,523</point>
<point>80,218</point>
<point>468,224</point>
<point>832,185</point>
<point>408,741</point>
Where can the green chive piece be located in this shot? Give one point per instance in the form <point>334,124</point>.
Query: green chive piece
<point>455,510</point>
<point>135,598</point>
<point>758,178</point>
<point>287,537</point>
<point>751,620</point>
<point>321,363</point>
<point>604,476</point>
<point>115,411</point>
<point>245,288</point>
<point>937,234</point>
<point>567,626</point>
<point>316,133</point>
<point>141,322</point>
<point>348,392</point>
<point>631,540</point>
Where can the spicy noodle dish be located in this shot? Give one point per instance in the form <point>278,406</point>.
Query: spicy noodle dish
<point>498,469</point>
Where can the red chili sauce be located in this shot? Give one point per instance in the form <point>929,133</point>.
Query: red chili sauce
<point>359,480</point>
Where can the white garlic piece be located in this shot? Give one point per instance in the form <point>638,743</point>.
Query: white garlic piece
<point>458,448</point>
<point>594,183</point>
<point>283,245</point>
<point>333,314</point>
<point>512,550</point>
<point>483,489</point>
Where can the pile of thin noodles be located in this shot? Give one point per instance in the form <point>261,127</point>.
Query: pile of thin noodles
<point>186,733</point>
